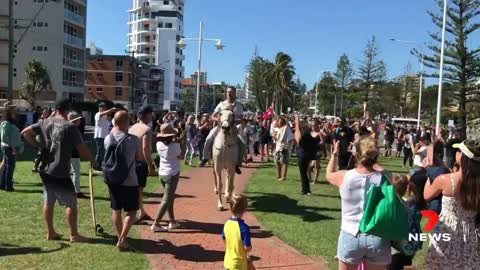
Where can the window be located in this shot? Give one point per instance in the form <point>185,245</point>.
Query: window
<point>118,77</point>
<point>178,38</point>
<point>166,2</point>
<point>39,48</point>
<point>153,60</point>
<point>100,60</point>
<point>177,61</point>
<point>119,63</point>
<point>160,25</point>
<point>40,1</point>
<point>176,71</point>
<point>147,61</point>
<point>177,50</point>
<point>99,75</point>
<point>146,15</point>
<point>99,90</point>
<point>40,24</point>
<point>180,8</point>
<point>168,25</point>
<point>118,92</point>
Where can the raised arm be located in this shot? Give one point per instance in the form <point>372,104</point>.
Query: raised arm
<point>298,134</point>
<point>333,177</point>
<point>29,135</point>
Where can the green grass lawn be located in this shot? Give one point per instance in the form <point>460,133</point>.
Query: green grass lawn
<point>311,224</point>
<point>23,233</point>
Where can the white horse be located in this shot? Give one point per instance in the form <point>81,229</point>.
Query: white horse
<point>225,154</point>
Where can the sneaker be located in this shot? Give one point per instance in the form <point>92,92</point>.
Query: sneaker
<point>173,226</point>
<point>154,228</point>
<point>237,170</point>
<point>202,163</point>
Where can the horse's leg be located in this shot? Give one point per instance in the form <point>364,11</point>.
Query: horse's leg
<point>218,184</point>
<point>230,184</point>
<point>215,189</point>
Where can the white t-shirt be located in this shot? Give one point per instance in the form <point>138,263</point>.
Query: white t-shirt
<point>102,125</point>
<point>237,109</point>
<point>169,162</point>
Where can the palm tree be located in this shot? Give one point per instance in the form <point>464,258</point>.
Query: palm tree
<point>280,74</point>
<point>37,80</point>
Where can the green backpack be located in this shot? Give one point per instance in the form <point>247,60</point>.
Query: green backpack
<point>385,214</point>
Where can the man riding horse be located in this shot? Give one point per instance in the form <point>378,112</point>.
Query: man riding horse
<point>237,108</point>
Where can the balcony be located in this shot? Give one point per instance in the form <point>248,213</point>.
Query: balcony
<point>73,63</point>
<point>74,17</point>
<point>74,41</point>
<point>73,83</point>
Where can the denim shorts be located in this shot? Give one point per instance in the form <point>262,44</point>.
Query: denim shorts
<point>363,247</point>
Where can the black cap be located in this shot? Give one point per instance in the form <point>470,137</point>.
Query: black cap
<point>144,110</point>
<point>425,137</point>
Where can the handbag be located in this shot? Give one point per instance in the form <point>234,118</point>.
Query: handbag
<point>385,215</point>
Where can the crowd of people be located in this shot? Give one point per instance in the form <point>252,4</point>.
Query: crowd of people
<point>443,172</point>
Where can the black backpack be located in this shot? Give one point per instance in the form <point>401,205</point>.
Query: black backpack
<point>115,167</point>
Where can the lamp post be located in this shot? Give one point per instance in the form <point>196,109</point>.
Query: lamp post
<point>266,99</point>
<point>421,76</point>
<point>440,77</point>
<point>200,40</point>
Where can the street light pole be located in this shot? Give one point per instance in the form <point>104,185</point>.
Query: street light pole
<point>200,45</point>
<point>420,92</point>
<point>440,77</point>
<point>200,40</point>
<point>10,50</point>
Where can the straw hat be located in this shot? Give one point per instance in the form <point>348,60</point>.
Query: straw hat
<point>8,106</point>
<point>73,116</point>
<point>166,130</point>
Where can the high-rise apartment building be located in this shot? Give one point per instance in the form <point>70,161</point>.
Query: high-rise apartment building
<point>155,27</point>
<point>56,38</point>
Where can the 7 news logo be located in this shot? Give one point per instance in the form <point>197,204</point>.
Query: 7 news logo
<point>432,217</point>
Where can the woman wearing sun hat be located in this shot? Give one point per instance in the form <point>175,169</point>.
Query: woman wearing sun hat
<point>170,154</point>
<point>11,144</point>
<point>460,216</point>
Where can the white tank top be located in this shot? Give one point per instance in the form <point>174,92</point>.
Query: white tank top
<point>353,192</point>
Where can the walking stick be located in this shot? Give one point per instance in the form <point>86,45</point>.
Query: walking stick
<point>97,227</point>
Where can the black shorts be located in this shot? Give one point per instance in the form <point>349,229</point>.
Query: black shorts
<point>124,197</point>
<point>142,173</point>
<point>399,261</point>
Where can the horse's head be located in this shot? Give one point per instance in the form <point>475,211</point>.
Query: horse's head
<point>226,119</point>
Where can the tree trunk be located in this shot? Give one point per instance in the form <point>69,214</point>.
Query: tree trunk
<point>462,110</point>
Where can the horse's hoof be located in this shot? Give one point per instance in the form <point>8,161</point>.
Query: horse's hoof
<point>220,208</point>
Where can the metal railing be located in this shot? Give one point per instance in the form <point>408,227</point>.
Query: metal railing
<point>74,17</point>
<point>73,83</point>
<point>73,63</point>
<point>72,40</point>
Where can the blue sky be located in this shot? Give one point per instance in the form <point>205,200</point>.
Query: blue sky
<point>314,32</point>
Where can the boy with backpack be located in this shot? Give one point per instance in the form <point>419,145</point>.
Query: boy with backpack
<point>121,153</point>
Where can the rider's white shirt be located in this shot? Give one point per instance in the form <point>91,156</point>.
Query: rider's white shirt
<point>237,108</point>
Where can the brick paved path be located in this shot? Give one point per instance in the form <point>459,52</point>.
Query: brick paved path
<point>199,245</point>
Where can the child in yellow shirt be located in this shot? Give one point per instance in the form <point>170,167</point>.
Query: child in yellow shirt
<point>236,235</point>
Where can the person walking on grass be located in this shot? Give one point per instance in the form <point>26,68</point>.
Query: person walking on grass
<point>308,145</point>
<point>102,128</point>
<point>76,119</point>
<point>145,165</point>
<point>58,137</point>
<point>11,145</point>
<point>282,156</point>
<point>170,154</point>
<point>124,196</point>
<point>236,235</point>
